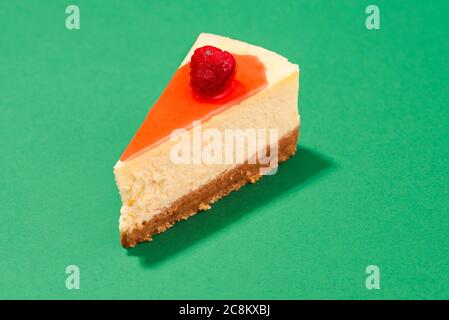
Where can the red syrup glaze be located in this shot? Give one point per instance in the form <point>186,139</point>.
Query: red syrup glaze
<point>178,106</point>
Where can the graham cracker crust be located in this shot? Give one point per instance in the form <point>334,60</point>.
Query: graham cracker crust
<point>202,198</point>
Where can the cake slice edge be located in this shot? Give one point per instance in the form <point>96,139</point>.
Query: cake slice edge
<point>202,198</point>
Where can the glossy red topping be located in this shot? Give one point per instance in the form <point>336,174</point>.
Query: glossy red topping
<point>211,71</point>
<point>177,107</point>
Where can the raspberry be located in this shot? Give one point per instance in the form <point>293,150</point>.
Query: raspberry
<point>211,71</point>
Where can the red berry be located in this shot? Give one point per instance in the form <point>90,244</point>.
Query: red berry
<point>211,71</point>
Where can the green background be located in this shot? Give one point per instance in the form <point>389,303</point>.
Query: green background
<point>369,185</point>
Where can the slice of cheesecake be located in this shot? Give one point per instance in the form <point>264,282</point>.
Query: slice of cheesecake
<point>186,154</point>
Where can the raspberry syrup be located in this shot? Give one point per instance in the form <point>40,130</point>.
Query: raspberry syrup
<point>178,106</point>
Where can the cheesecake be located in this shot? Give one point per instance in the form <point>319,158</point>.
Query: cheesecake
<point>227,117</point>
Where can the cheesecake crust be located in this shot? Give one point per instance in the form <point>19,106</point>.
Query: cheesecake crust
<point>203,197</point>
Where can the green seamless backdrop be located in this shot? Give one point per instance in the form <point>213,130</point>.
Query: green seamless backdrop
<point>369,185</point>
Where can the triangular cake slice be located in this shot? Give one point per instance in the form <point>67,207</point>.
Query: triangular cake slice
<point>180,160</point>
